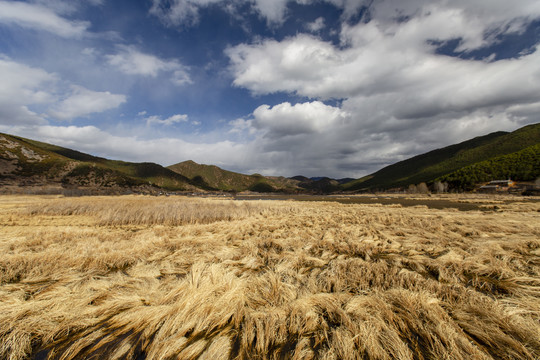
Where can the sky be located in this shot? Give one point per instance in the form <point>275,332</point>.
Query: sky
<point>337,88</point>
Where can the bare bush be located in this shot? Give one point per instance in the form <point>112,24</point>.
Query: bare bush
<point>439,187</point>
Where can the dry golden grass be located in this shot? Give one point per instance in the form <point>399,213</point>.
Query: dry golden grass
<point>178,278</point>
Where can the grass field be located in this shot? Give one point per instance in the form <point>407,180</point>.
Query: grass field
<point>181,278</point>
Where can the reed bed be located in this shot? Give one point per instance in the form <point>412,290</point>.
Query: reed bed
<point>178,278</point>
<point>134,210</point>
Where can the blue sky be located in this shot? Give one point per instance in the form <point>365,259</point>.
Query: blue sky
<point>335,88</point>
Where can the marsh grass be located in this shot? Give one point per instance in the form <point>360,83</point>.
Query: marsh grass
<point>133,210</point>
<point>178,278</point>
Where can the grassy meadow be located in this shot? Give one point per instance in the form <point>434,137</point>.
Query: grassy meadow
<point>139,277</point>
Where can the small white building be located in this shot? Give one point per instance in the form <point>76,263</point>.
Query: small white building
<point>498,185</point>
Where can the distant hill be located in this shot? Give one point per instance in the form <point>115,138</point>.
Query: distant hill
<point>300,178</point>
<point>213,177</point>
<point>25,162</point>
<point>318,185</point>
<point>438,163</point>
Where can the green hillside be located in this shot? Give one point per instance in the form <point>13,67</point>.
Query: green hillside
<point>146,171</point>
<point>213,177</point>
<point>437,163</point>
<point>20,158</point>
<point>522,165</point>
<point>25,161</point>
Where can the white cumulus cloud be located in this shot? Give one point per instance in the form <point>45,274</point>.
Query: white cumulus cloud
<point>303,64</point>
<point>304,118</point>
<point>131,61</point>
<point>179,12</point>
<point>316,25</point>
<point>185,13</point>
<point>23,86</point>
<point>82,102</point>
<point>496,16</point>
<point>31,95</point>
<point>171,120</point>
<point>39,17</point>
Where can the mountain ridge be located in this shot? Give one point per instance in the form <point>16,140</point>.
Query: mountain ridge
<point>431,165</point>
<point>33,163</point>
<point>219,179</point>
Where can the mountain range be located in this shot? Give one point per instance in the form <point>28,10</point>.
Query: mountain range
<point>26,163</point>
